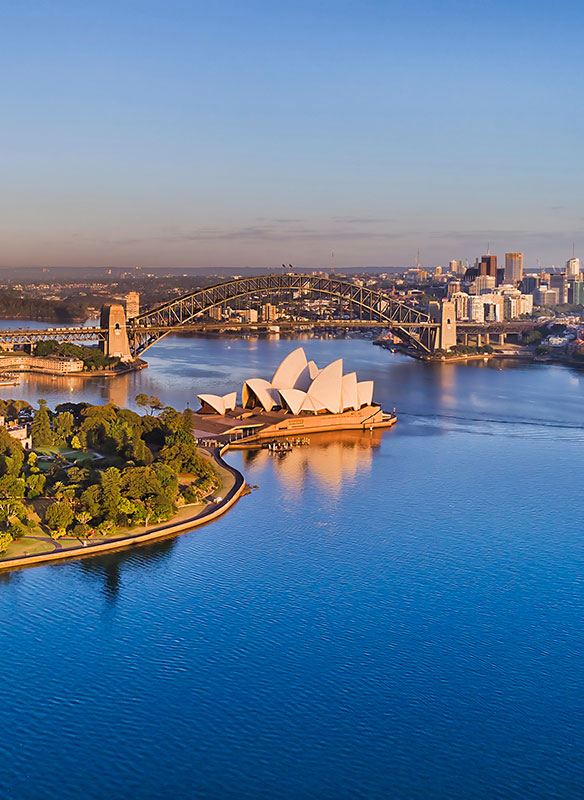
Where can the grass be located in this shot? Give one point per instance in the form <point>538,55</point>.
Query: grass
<point>27,546</point>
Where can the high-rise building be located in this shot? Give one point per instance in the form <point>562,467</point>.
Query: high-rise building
<point>545,296</point>
<point>476,309</point>
<point>249,315</point>
<point>559,281</point>
<point>488,265</point>
<point>269,312</point>
<point>573,267</point>
<point>132,304</point>
<point>513,267</point>
<point>529,283</point>
<point>460,300</point>
<point>576,295</point>
<point>483,283</point>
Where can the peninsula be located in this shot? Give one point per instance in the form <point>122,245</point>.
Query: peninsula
<point>84,478</point>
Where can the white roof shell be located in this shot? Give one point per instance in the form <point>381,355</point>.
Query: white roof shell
<point>350,396</point>
<point>220,404</point>
<point>257,391</point>
<point>365,393</point>
<point>291,368</point>
<point>326,389</point>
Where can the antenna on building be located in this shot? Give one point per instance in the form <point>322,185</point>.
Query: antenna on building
<point>332,262</point>
<point>418,258</point>
<point>488,248</point>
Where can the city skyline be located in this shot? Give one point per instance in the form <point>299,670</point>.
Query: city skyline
<point>183,135</point>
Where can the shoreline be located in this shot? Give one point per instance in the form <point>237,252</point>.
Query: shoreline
<point>173,527</point>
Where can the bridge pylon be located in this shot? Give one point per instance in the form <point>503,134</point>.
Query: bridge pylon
<point>116,342</point>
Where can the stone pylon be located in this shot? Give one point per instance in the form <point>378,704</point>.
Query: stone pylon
<point>113,319</point>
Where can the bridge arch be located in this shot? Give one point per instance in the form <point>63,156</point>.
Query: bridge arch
<point>414,326</point>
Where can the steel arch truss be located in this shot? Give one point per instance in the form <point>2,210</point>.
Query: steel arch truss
<point>408,323</point>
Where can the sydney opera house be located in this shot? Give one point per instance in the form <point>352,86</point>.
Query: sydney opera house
<point>300,398</point>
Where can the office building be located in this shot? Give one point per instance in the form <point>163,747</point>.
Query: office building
<point>488,265</point>
<point>269,312</point>
<point>476,309</point>
<point>250,315</point>
<point>559,282</point>
<point>483,283</point>
<point>460,300</point>
<point>513,267</point>
<point>573,267</point>
<point>544,296</point>
<point>529,283</point>
<point>576,293</point>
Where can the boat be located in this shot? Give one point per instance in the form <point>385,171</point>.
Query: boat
<point>9,379</point>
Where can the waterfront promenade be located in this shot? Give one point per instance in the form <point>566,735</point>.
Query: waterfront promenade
<point>232,488</point>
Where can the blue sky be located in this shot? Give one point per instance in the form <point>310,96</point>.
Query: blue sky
<point>252,133</point>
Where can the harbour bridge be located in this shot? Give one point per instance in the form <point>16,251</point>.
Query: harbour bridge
<point>129,338</point>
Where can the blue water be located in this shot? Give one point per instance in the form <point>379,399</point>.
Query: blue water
<point>393,615</point>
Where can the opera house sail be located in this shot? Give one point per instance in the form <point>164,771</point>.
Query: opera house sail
<point>300,398</point>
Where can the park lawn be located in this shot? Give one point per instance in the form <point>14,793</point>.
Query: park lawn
<point>27,546</point>
<point>71,454</point>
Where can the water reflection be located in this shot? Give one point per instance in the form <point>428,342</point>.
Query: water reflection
<point>331,459</point>
<point>110,569</point>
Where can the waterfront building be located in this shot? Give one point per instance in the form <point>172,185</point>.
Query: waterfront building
<point>300,398</point>
<point>573,267</point>
<point>132,304</point>
<point>249,315</point>
<point>269,312</point>
<point>216,313</point>
<point>513,267</point>
<point>18,361</point>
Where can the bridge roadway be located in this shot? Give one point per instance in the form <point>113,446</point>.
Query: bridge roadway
<point>23,337</point>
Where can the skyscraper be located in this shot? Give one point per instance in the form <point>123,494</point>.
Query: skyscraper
<point>488,265</point>
<point>573,267</point>
<point>513,267</point>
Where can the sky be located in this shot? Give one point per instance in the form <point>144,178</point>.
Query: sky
<point>202,134</point>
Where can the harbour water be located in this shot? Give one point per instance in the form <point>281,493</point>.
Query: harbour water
<point>388,615</point>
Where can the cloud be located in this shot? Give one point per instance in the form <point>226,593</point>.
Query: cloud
<point>276,230</point>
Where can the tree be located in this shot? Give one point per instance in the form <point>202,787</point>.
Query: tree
<point>110,492</point>
<point>141,400</point>
<point>91,501</point>
<point>63,427</point>
<point>5,539</point>
<point>58,517</point>
<point>188,420</point>
<point>154,403</point>
<point>35,485</point>
<point>42,435</point>
<point>76,443</point>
